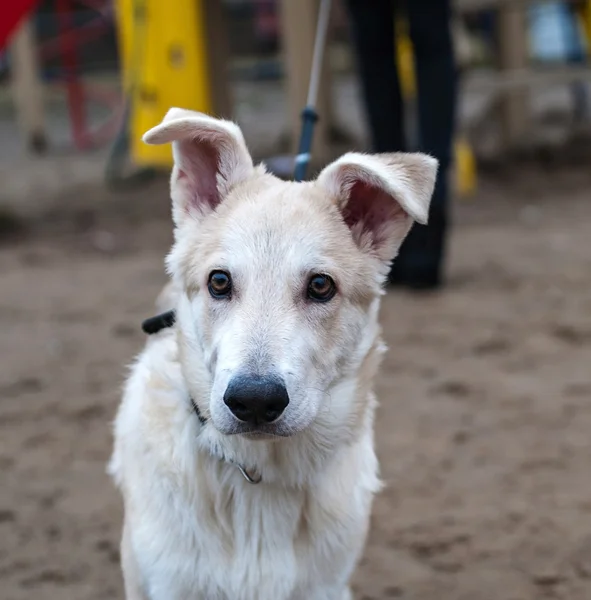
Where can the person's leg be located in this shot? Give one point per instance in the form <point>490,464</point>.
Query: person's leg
<point>372,23</point>
<point>422,255</point>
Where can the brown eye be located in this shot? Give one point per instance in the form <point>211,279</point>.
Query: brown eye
<point>321,288</point>
<point>219,285</point>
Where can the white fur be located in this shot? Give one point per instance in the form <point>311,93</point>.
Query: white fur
<point>194,527</point>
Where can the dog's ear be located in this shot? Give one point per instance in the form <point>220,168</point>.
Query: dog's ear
<point>380,196</point>
<point>210,157</point>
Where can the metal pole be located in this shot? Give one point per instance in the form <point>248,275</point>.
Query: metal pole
<point>309,114</point>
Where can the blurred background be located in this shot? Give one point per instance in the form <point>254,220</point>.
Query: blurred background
<point>485,417</point>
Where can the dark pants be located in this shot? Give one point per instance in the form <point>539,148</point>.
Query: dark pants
<point>422,254</point>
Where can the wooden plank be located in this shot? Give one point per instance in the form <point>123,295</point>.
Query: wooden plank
<point>298,23</point>
<point>519,79</point>
<point>514,107</point>
<point>218,53</point>
<point>27,88</point>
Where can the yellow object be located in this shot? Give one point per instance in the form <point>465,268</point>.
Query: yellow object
<point>585,18</point>
<point>465,164</point>
<point>465,168</point>
<point>405,60</point>
<point>164,64</point>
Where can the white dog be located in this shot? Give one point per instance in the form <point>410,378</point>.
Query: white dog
<point>244,445</point>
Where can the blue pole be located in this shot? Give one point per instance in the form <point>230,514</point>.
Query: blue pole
<point>309,118</point>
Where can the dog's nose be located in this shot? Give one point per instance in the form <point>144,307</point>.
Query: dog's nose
<point>256,400</point>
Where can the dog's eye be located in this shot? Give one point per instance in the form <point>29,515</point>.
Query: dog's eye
<point>220,284</point>
<point>321,288</point>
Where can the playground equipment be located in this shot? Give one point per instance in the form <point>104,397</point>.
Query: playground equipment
<point>26,57</point>
<point>164,64</point>
<point>168,50</point>
<point>11,16</point>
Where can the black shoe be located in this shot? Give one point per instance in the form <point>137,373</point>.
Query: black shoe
<point>419,264</point>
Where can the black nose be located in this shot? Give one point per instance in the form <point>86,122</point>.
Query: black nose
<point>256,400</point>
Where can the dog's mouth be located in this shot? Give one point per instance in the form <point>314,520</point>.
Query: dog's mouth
<point>273,431</point>
<point>260,436</point>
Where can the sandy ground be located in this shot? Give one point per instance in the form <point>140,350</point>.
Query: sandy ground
<point>484,426</point>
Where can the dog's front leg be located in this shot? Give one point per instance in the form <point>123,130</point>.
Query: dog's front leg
<point>134,588</point>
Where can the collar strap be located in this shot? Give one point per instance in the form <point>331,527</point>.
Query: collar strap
<point>201,418</point>
<point>254,479</point>
<point>159,322</point>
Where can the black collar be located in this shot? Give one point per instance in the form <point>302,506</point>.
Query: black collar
<point>201,418</point>
<point>159,322</point>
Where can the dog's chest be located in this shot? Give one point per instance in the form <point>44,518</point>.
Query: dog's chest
<point>244,543</point>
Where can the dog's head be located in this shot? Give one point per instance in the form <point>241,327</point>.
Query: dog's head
<point>281,280</point>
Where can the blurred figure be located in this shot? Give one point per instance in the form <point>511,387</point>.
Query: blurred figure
<point>266,26</point>
<point>556,37</point>
<point>421,259</point>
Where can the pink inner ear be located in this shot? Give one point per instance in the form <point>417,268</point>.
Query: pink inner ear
<point>371,209</point>
<point>198,171</point>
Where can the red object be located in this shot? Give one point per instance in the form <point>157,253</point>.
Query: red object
<point>66,45</point>
<point>73,83</point>
<point>11,14</point>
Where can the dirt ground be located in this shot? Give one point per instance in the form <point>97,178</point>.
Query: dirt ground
<point>484,428</point>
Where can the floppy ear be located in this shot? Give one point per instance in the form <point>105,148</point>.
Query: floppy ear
<point>210,157</point>
<point>380,196</point>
